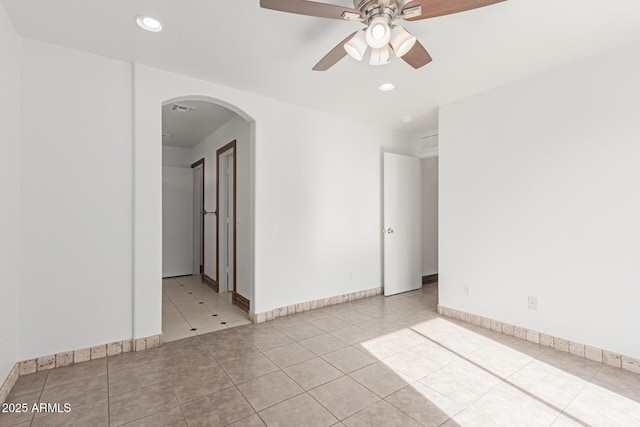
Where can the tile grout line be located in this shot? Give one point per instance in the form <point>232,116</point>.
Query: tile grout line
<point>428,386</point>
<point>381,399</point>
<point>449,417</point>
<point>304,391</point>
<point>184,317</point>
<point>334,379</point>
<point>184,418</point>
<point>234,385</point>
<point>399,409</point>
<point>325,408</point>
<point>571,401</point>
<point>180,312</point>
<point>287,375</point>
<point>33,414</point>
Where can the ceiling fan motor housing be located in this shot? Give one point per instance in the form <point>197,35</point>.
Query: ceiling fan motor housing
<point>380,33</point>
<point>370,9</point>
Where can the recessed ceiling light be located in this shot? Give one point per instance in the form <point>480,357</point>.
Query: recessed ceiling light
<point>148,23</point>
<point>406,119</point>
<point>385,87</point>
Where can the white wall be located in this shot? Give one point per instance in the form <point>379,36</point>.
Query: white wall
<point>235,129</point>
<point>539,196</point>
<point>177,221</point>
<point>176,156</point>
<point>314,196</point>
<point>316,181</point>
<point>429,216</point>
<point>9,84</point>
<point>75,200</point>
<point>177,211</point>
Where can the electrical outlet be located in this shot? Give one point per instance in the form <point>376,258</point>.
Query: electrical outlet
<point>350,275</point>
<point>532,303</point>
<point>466,289</point>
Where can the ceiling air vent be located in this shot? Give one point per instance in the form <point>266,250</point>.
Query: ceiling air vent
<point>428,146</point>
<point>182,108</point>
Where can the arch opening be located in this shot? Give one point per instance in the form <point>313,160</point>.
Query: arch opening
<point>208,215</point>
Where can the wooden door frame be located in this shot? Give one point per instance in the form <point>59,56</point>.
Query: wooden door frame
<point>193,166</point>
<point>219,153</point>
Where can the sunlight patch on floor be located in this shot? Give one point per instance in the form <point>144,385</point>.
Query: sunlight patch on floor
<point>474,379</point>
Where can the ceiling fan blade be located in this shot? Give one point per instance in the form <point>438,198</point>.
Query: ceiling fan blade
<point>335,55</point>
<point>311,8</point>
<point>417,56</point>
<point>433,8</point>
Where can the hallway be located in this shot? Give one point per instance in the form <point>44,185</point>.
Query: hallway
<point>190,307</point>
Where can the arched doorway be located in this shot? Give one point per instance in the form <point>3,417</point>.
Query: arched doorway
<point>207,280</point>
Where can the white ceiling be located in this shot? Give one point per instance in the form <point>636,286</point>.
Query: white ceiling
<point>188,129</point>
<point>238,44</point>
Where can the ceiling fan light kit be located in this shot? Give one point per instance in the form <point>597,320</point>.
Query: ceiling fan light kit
<point>356,47</point>
<point>380,33</point>
<point>380,56</point>
<point>401,41</point>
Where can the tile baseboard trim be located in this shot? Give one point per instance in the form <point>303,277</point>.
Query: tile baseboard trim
<point>594,354</point>
<point>312,305</point>
<point>73,357</point>
<point>9,382</point>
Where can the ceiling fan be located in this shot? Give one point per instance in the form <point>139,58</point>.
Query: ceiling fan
<point>380,34</point>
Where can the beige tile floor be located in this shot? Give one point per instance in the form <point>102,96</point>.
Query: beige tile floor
<point>374,362</point>
<point>189,308</point>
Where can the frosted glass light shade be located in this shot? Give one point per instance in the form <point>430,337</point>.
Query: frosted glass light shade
<point>356,47</point>
<point>380,56</point>
<point>401,41</point>
<point>378,33</point>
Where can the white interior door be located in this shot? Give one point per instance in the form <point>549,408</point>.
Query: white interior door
<point>198,214</point>
<point>402,223</point>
